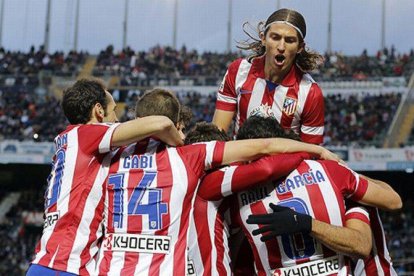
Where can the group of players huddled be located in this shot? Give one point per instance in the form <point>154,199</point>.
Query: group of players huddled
<point>142,198</point>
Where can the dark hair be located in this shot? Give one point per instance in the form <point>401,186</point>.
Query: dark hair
<point>307,60</point>
<point>205,132</point>
<point>159,101</point>
<point>186,115</point>
<point>260,127</point>
<point>79,100</point>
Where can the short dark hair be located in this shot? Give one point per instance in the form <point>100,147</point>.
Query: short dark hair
<point>205,132</point>
<point>261,127</point>
<point>186,115</point>
<point>79,99</point>
<point>159,101</point>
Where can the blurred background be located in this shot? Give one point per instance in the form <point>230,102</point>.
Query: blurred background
<point>186,46</point>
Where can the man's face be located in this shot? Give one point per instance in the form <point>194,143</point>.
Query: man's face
<point>110,116</point>
<point>282,45</point>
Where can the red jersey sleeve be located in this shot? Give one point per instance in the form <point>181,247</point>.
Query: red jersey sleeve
<point>346,180</point>
<point>96,138</point>
<point>226,95</point>
<point>313,116</point>
<point>203,156</point>
<point>356,211</point>
<point>234,179</point>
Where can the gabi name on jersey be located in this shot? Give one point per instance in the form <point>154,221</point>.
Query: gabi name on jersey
<point>292,183</point>
<point>138,162</point>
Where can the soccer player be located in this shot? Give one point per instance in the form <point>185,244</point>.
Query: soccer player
<point>315,189</point>
<point>378,261</point>
<point>209,252</point>
<point>217,184</point>
<point>150,191</point>
<point>275,80</point>
<point>74,197</point>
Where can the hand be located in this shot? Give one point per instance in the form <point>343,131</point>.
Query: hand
<point>283,220</point>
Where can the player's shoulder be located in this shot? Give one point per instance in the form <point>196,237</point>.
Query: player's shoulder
<point>314,88</point>
<point>235,64</point>
<point>336,168</point>
<point>95,126</point>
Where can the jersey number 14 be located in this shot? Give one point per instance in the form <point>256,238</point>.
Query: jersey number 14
<point>154,208</point>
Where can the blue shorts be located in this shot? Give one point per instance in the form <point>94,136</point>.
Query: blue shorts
<point>38,270</point>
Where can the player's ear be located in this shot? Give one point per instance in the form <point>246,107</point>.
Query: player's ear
<point>98,112</point>
<point>263,38</point>
<point>301,47</point>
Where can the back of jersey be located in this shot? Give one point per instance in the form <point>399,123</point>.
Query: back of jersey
<point>316,188</point>
<point>150,191</point>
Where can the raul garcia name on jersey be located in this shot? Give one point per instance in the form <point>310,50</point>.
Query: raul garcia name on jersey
<point>311,177</point>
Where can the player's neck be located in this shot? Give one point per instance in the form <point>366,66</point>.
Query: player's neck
<point>274,74</point>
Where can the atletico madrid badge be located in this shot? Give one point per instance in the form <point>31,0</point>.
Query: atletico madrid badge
<point>289,106</point>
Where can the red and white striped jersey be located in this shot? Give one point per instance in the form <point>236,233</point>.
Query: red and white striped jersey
<point>74,199</point>
<point>316,188</point>
<point>208,244</point>
<point>209,231</point>
<point>379,261</point>
<point>150,194</point>
<point>297,103</point>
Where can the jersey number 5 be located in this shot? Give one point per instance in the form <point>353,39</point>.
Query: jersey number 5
<point>154,207</point>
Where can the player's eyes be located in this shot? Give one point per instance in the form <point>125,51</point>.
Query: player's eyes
<point>290,40</point>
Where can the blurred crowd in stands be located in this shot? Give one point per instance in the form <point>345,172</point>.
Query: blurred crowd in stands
<point>399,231</point>
<point>19,235</point>
<point>27,111</point>
<point>137,68</point>
<point>27,115</point>
<point>31,63</point>
<point>358,120</point>
<point>385,63</point>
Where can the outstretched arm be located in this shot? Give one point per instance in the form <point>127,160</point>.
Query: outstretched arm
<point>246,150</point>
<point>380,194</point>
<point>234,179</point>
<point>158,126</point>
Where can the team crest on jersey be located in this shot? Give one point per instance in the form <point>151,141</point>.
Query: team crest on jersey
<point>289,106</point>
<point>263,110</point>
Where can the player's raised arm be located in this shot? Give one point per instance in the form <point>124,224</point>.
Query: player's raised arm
<point>140,128</point>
